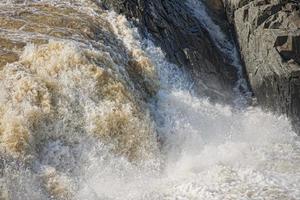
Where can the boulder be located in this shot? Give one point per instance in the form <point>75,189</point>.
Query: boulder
<point>268,32</point>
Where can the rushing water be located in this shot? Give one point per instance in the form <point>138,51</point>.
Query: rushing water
<point>225,45</point>
<point>91,135</point>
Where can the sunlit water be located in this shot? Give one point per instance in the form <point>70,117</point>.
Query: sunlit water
<point>206,151</point>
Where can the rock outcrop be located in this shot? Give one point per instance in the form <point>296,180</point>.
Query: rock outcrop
<point>269,36</point>
<point>185,41</point>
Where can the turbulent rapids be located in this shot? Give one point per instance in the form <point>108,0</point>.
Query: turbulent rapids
<point>91,110</point>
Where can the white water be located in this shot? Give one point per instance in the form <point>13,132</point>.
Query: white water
<point>208,152</point>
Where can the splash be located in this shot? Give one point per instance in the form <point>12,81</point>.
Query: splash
<point>81,116</point>
<point>65,94</point>
<point>208,151</point>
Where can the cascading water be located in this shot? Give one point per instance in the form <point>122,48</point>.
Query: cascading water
<point>225,45</point>
<point>70,130</point>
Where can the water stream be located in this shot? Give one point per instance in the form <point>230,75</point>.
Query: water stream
<point>204,151</point>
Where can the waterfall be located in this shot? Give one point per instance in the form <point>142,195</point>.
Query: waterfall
<point>225,45</point>
<point>208,151</point>
<point>115,120</point>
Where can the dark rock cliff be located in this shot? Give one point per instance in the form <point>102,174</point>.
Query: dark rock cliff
<point>268,33</point>
<point>269,36</point>
<point>185,41</point>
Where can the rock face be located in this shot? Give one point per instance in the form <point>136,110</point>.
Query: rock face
<point>269,38</point>
<point>185,41</point>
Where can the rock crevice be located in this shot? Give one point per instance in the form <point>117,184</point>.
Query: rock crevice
<point>268,32</point>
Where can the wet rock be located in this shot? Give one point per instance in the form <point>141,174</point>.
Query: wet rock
<point>269,38</point>
<point>186,43</point>
<point>288,47</point>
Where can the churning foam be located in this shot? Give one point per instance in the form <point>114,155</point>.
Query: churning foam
<point>208,151</point>
<point>75,124</point>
